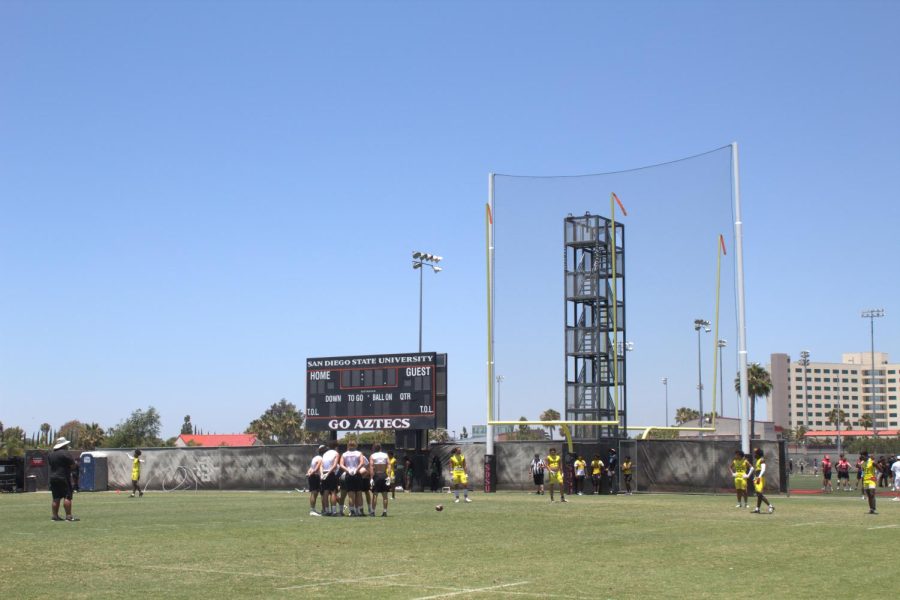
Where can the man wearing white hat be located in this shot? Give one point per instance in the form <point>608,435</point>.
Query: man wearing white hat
<point>61,467</point>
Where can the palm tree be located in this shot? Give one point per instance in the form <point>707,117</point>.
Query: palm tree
<point>759,383</point>
<point>45,433</point>
<point>92,437</point>
<point>550,415</point>
<point>865,421</point>
<point>836,415</point>
<point>684,414</point>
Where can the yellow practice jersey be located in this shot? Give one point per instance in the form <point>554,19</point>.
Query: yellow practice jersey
<point>759,463</point>
<point>579,465</point>
<point>596,467</point>
<point>869,471</point>
<point>136,469</point>
<point>626,467</point>
<point>740,466</point>
<point>553,461</point>
<point>458,462</point>
<point>392,463</point>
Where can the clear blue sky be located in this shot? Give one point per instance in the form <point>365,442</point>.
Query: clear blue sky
<point>197,196</point>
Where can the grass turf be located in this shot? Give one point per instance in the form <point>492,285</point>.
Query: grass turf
<point>264,545</point>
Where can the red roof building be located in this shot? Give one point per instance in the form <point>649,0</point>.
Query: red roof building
<point>215,440</point>
<point>852,432</point>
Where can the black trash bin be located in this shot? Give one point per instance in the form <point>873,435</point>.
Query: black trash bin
<point>31,483</point>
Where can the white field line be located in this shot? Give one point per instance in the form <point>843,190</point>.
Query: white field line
<point>807,524</point>
<point>541,595</point>
<point>334,581</point>
<point>215,571</point>
<point>473,590</point>
<point>883,527</point>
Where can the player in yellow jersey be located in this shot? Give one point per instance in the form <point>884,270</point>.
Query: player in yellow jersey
<point>597,473</point>
<point>136,461</point>
<point>392,465</point>
<point>870,479</point>
<point>460,474</point>
<point>740,471</point>
<point>555,474</point>
<point>628,474</point>
<point>759,481</point>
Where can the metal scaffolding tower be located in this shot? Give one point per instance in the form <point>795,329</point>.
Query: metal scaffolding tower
<point>590,378</point>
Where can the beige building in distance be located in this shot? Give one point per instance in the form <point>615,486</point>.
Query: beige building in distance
<point>804,392</point>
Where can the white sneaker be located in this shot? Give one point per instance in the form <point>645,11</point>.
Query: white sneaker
<point>456,501</point>
<point>313,513</point>
<point>771,509</point>
<point>895,499</point>
<point>468,499</point>
<point>738,506</point>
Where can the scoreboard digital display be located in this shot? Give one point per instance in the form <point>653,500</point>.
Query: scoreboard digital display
<point>380,391</point>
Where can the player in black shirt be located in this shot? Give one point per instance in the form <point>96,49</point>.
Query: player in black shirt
<point>61,467</point>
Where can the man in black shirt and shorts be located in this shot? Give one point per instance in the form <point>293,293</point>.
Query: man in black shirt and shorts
<point>61,467</point>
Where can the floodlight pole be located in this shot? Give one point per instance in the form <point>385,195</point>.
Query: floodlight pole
<point>872,314</point>
<point>742,316</point>
<point>420,261</point>
<point>700,324</point>
<point>665,382</point>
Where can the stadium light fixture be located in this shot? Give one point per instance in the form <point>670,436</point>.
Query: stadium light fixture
<point>420,261</point>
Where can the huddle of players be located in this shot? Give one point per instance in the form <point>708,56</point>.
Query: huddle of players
<point>742,471</point>
<point>349,477</point>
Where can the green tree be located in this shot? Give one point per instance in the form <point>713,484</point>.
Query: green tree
<point>759,384</point>
<point>186,427</point>
<point>685,414</point>
<point>73,431</point>
<point>836,416</point>
<point>438,436</point>
<point>662,434</point>
<point>140,429</point>
<point>523,429</point>
<point>549,415</point>
<point>92,437</point>
<point>865,421</point>
<point>465,434</point>
<point>45,434</point>
<point>12,442</point>
<point>280,424</point>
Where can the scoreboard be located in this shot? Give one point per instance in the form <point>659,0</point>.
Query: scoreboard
<point>378,391</point>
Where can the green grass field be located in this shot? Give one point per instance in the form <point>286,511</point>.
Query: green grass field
<point>507,545</point>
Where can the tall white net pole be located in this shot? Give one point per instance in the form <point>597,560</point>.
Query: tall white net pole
<point>742,320</point>
<point>489,441</point>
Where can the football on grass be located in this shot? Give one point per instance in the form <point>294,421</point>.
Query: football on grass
<point>439,507</point>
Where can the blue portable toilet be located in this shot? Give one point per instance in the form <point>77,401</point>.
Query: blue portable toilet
<point>92,474</point>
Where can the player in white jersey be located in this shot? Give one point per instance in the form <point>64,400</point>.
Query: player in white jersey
<point>314,481</point>
<point>329,477</point>
<point>381,483</point>
<point>353,479</point>
<point>895,469</point>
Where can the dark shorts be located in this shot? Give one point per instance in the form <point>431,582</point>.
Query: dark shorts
<point>61,488</point>
<point>844,475</point>
<point>314,482</point>
<point>628,478</point>
<point>859,474</point>
<point>538,479</point>
<point>354,483</point>
<point>827,475</point>
<point>329,484</point>
<point>380,484</point>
